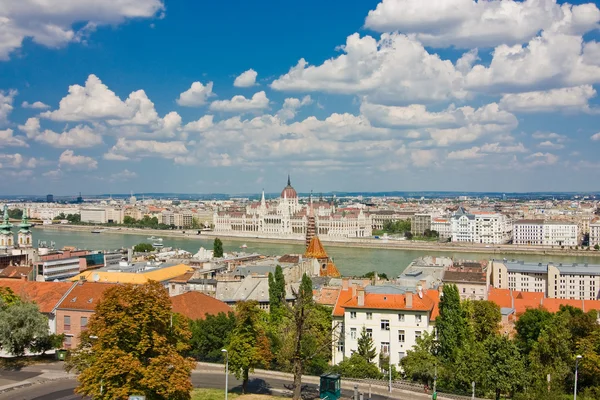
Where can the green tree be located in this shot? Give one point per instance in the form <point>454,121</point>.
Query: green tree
<point>484,317</point>
<point>505,369</point>
<point>42,344</point>
<point>249,345</point>
<point>371,275</point>
<point>210,336</point>
<point>15,213</point>
<point>74,218</point>
<point>127,220</point>
<point>366,348</point>
<point>137,347</point>
<point>143,248</point>
<point>60,216</point>
<point>589,367</point>
<point>529,326</point>
<point>217,248</point>
<point>451,323</point>
<point>420,361</point>
<point>469,365</point>
<point>581,324</point>
<point>276,295</point>
<point>8,298</point>
<point>20,325</point>
<point>597,247</point>
<point>357,367</point>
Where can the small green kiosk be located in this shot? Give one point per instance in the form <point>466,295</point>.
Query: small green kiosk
<point>330,387</point>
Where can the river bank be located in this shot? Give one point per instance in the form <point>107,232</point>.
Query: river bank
<point>436,247</point>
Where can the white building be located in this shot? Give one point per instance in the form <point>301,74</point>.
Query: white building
<point>560,233</point>
<point>287,217</point>
<point>595,233</point>
<point>93,215</point>
<point>562,281</point>
<point>392,317</point>
<point>481,227</point>
<point>60,270</point>
<point>442,226</point>
<point>528,232</point>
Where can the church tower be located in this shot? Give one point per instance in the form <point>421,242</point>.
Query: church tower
<point>6,236</point>
<point>24,235</point>
<point>311,228</point>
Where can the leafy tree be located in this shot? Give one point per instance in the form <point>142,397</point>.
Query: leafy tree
<point>249,345</point>
<point>137,347</point>
<point>8,298</point>
<point>276,294</point>
<point>505,366</point>
<point>371,275</point>
<point>597,247</point>
<point>20,325</point>
<point>419,362</point>
<point>15,213</point>
<point>210,336</point>
<point>399,226</point>
<point>74,218</point>
<point>589,367</point>
<point>529,326</point>
<point>357,367</point>
<point>217,248</point>
<point>60,217</point>
<point>143,248</point>
<point>581,324</point>
<point>127,220</point>
<point>484,317</point>
<point>408,235</point>
<point>366,348</point>
<point>44,343</point>
<point>469,365</point>
<point>451,323</point>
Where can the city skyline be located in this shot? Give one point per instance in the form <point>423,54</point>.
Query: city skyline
<point>372,96</point>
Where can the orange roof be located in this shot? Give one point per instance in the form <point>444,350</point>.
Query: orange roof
<point>196,305</point>
<point>326,295</point>
<point>315,249</point>
<point>343,298</point>
<point>45,294</point>
<point>434,295</point>
<point>330,270</point>
<point>525,300</point>
<point>13,271</point>
<point>85,296</point>
<point>182,278</point>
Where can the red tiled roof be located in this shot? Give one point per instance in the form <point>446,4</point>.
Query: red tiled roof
<point>45,294</point>
<point>327,295</point>
<point>13,271</point>
<point>182,278</point>
<point>330,270</point>
<point>85,296</point>
<point>196,305</point>
<point>343,298</point>
<point>315,249</point>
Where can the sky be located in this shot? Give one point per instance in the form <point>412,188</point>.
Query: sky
<point>232,96</point>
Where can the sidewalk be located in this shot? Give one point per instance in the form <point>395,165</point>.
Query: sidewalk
<point>32,375</point>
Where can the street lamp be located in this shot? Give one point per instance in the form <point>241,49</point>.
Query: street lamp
<point>226,371</point>
<point>577,359</point>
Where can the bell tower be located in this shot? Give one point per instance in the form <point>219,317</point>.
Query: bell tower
<point>24,235</point>
<point>6,235</point>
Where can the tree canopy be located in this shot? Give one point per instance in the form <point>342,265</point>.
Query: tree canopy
<point>217,248</point>
<point>451,323</point>
<point>366,347</point>
<point>134,345</point>
<point>143,248</point>
<point>210,335</point>
<point>21,324</point>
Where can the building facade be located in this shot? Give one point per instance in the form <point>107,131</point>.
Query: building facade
<point>442,226</point>
<point>480,227</point>
<point>594,234</point>
<point>419,224</point>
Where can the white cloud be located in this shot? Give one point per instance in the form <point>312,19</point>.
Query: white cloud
<point>423,158</point>
<point>498,148</point>
<point>70,160</point>
<point>241,104</point>
<point>80,136</point>
<point>246,79</point>
<point>6,101</point>
<point>291,105</point>
<point>15,160</point>
<point>53,174</point>
<point>133,149</point>
<point>466,154</point>
<point>548,61</point>
<point>124,175</point>
<point>595,136</point>
<point>567,99</point>
<point>395,69</point>
<point>50,24</point>
<point>8,139</point>
<point>548,136</point>
<point>470,24</point>
<point>551,145</point>
<point>196,95</point>
<point>542,159</point>
<point>38,105</point>
<point>199,125</point>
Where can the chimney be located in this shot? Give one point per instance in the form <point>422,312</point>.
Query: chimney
<point>409,299</point>
<point>354,290</point>
<point>361,297</point>
<point>345,284</point>
<point>24,277</point>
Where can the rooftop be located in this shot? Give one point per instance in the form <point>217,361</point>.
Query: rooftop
<point>196,305</point>
<point>159,274</point>
<point>45,294</point>
<point>85,296</point>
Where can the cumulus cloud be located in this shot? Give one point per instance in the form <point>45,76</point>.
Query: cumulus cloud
<point>551,145</point>
<point>466,154</point>
<point>125,175</point>
<point>196,95</point>
<point>541,159</point>
<point>6,103</point>
<point>37,105</point>
<point>564,99</point>
<point>53,174</point>
<point>199,125</point>
<point>595,136</point>
<point>133,149</point>
<point>246,79</point>
<point>549,136</point>
<point>470,24</point>
<point>291,106</point>
<point>395,69</point>
<point>80,136</point>
<point>52,25</point>
<point>423,158</point>
<point>69,160</point>
<point>241,104</point>
<point>8,139</point>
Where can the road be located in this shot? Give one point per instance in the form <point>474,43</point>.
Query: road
<point>63,389</point>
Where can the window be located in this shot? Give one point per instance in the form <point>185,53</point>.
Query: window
<point>370,333</point>
<point>83,322</point>
<point>418,318</point>
<point>401,336</point>
<point>417,334</point>
<point>352,314</point>
<point>401,317</point>
<point>352,333</point>
<point>369,315</point>
<point>68,340</point>
<point>385,347</point>
<point>385,324</point>
<point>67,323</point>
<point>340,347</point>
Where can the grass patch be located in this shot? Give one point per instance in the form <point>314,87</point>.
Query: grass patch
<point>219,394</point>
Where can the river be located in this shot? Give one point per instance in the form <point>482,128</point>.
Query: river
<point>350,261</point>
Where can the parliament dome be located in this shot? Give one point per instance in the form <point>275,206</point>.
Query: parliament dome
<point>289,192</point>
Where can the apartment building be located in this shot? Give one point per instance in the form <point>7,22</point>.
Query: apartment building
<point>562,281</point>
<point>481,227</point>
<point>528,232</point>
<point>394,318</point>
<point>561,233</point>
<point>595,233</point>
<point>101,215</point>
<point>442,226</point>
<point>470,277</point>
<point>419,223</point>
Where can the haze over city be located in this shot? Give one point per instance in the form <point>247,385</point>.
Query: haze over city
<point>205,97</point>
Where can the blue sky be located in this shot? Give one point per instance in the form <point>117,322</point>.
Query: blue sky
<point>230,97</point>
